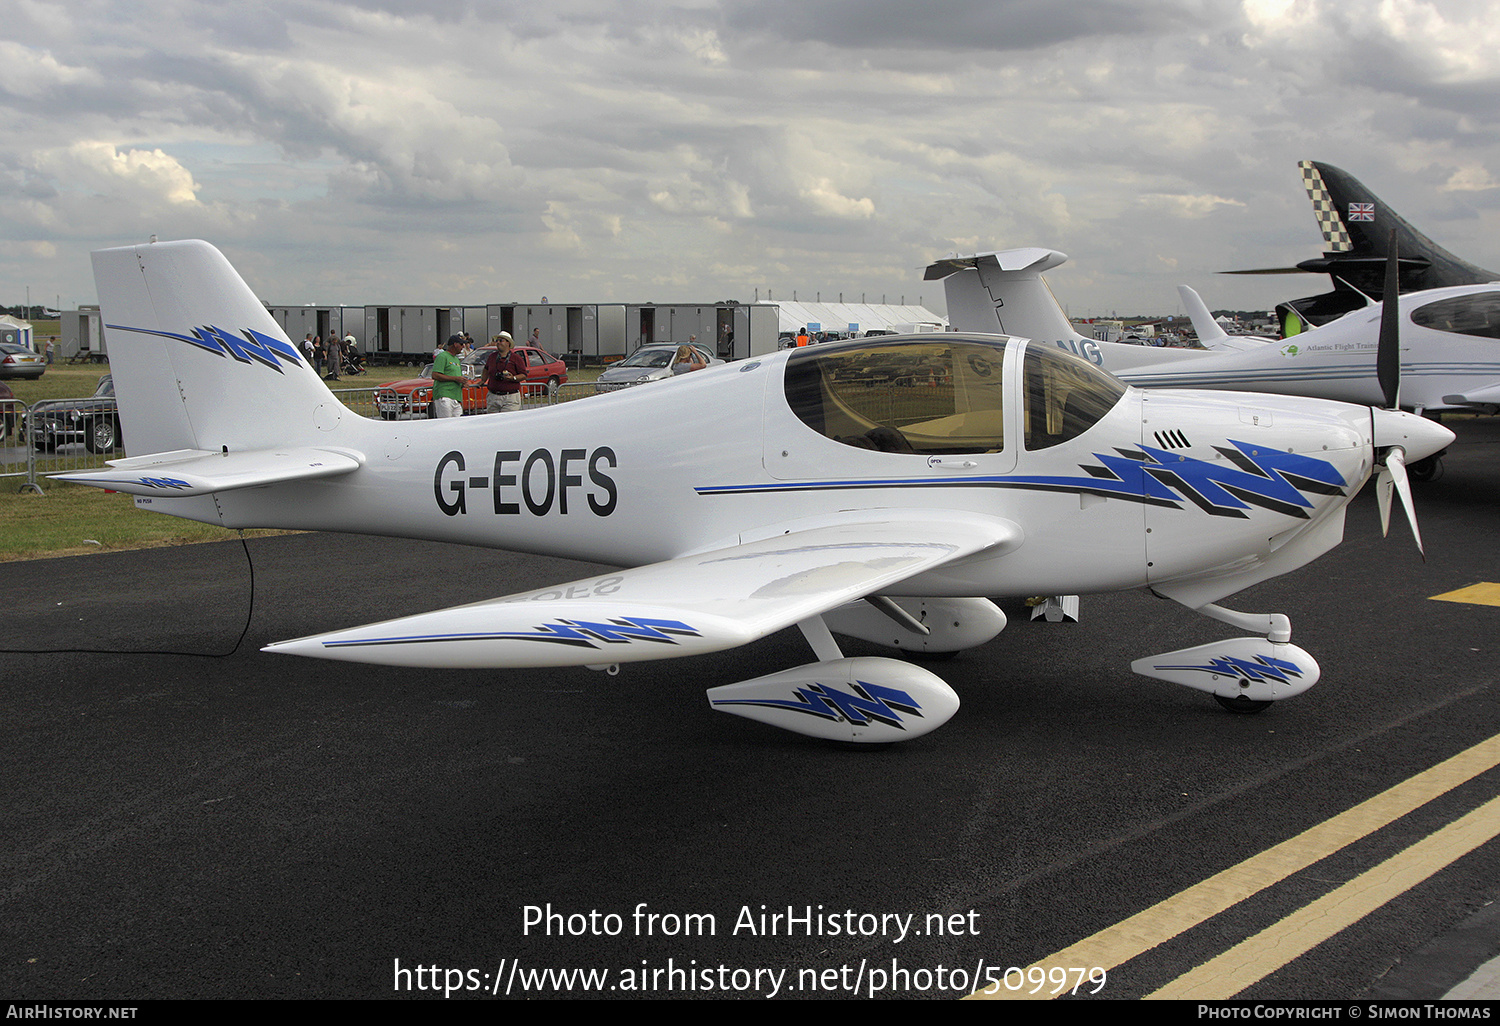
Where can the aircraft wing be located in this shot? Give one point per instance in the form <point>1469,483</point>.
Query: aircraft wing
<point>198,471</point>
<point>705,602</point>
<point>1486,398</point>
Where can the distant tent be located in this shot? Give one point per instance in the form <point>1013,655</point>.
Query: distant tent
<point>868,316</point>
<point>12,330</point>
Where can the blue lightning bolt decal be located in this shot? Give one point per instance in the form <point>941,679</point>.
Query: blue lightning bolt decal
<point>871,702</point>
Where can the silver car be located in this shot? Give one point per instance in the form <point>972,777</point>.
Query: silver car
<point>648,363</point>
<point>16,361</point>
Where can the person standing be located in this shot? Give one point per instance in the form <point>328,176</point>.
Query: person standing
<point>448,380</point>
<point>503,374</point>
<point>335,356</point>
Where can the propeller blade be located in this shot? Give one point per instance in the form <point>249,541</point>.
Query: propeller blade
<point>1394,475</point>
<point>1388,351</point>
<point>1383,484</point>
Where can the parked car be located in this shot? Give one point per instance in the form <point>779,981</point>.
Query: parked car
<point>16,361</point>
<point>94,421</point>
<point>10,411</point>
<point>651,362</point>
<point>412,397</point>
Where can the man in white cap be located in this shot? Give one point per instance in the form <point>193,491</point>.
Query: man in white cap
<point>503,373</point>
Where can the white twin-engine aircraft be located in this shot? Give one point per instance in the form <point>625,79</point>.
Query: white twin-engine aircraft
<point>1449,339</point>
<point>884,489</point>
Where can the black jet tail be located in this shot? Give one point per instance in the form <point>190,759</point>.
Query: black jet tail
<point>1356,229</point>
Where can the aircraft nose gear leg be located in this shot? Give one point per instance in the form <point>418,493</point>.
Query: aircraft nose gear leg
<point>1243,674</point>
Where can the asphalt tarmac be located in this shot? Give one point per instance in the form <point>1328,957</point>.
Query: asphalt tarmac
<point>244,825</point>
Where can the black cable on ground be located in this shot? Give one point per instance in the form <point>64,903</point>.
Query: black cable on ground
<point>249,615</point>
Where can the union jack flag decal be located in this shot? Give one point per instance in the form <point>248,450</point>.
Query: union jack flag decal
<point>1361,211</point>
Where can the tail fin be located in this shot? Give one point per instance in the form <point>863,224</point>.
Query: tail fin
<point>1004,294</point>
<point>1356,226</point>
<point>198,362</point>
<point>1210,335</point>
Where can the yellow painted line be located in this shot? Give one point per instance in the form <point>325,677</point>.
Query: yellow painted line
<point>1117,944</point>
<point>1259,956</point>
<point>1481,594</point>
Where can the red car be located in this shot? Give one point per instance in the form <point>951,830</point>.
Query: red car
<point>412,397</point>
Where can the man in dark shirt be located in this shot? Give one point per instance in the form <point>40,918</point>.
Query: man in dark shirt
<point>504,372</point>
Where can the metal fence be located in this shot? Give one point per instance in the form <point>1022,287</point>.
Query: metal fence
<point>56,436</point>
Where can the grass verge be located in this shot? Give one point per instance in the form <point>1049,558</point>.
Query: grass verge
<point>71,520</point>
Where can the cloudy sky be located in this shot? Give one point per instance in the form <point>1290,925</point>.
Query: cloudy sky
<point>446,151</point>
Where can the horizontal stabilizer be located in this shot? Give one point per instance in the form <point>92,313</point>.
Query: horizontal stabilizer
<point>1032,260</point>
<point>687,606</point>
<point>197,472</point>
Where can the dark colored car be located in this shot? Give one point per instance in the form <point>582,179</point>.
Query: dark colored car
<point>94,421</point>
<point>10,411</point>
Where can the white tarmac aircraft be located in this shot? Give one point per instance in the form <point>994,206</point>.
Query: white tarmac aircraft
<point>884,489</point>
<point>1450,340</point>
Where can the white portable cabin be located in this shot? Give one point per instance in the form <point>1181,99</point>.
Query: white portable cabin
<point>320,321</point>
<point>586,331</point>
<point>732,331</point>
<point>80,329</point>
<point>408,334</point>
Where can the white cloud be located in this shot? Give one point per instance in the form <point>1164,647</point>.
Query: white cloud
<point>826,199</point>
<point>138,176</point>
<point>601,148</point>
<point>29,73</point>
<point>1193,207</point>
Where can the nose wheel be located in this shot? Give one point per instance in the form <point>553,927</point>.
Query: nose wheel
<point>1429,469</point>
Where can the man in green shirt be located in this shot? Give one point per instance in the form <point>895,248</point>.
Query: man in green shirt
<point>448,380</point>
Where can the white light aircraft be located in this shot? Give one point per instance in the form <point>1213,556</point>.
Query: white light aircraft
<point>883,489</point>
<point>1449,340</point>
